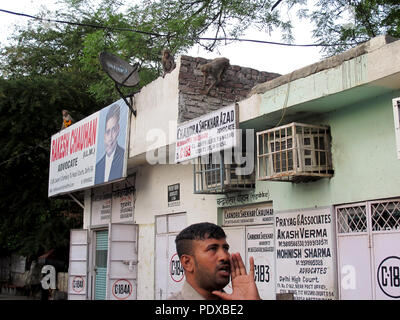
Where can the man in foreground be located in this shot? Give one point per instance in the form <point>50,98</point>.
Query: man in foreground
<point>208,266</point>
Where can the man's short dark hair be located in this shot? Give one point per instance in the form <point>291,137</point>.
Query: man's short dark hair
<point>197,231</point>
<point>113,111</point>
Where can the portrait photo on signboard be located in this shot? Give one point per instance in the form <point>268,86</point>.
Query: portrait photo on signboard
<point>112,142</point>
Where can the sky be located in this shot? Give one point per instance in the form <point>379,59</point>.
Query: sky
<point>262,57</point>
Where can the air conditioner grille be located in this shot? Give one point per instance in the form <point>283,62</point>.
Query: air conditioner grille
<point>295,152</point>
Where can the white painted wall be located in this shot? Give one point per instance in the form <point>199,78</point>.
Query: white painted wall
<point>157,107</point>
<point>151,200</point>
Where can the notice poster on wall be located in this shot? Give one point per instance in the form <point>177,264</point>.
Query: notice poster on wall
<point>123,205</point>
<point>101,206</point>
<point>305,254</point>
<point>260,246</point>
<point>91,151</point>
<point>262,213</point>
<point>114,203</point>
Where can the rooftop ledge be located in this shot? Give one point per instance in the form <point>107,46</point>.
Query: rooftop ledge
<point>370,69</point>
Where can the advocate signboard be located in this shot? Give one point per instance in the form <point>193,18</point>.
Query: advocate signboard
<point>248,215</point>
<point>305,254</point>
<point>210,133</point>
<point>91,151</point>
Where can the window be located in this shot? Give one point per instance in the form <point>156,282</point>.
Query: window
<point>221,172</point>
<point>385,216</point>
<point>352,219</point>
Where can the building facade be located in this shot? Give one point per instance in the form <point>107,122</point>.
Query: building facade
<point>320,212</point>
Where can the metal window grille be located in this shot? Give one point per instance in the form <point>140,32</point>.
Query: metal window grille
<point>220,177</point>
<point>385,216</point>
<point>352,219</point>
<point>295,152</point>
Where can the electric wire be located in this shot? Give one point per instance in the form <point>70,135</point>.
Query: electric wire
<point>159,35</point>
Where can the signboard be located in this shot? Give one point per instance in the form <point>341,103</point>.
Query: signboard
<point>176,271</point>
<point>260,246</point>
<point>101,207</point>
<point>114,203</point>
<point>256,242</point>
<point>174,195</point>
<point>386,264</point>
<point>388,276</point>
<point>176,275</point>
<point>210,133</point>
<point>123,205</point>
<point>248,215</point>
<point>122,289</point>
<point>305,254</point>
<point>78,284</point>
<point>91,151</point>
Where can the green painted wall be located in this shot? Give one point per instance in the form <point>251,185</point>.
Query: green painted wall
<point>364,160</point>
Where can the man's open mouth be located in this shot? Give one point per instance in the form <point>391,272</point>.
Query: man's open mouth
<point>224,270</point>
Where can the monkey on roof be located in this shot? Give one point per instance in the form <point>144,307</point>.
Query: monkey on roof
<point>67,119</point>
<point>215,69</point>
<point>167,61</point>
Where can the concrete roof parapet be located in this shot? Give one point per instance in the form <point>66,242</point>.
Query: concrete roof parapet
<point>329,63</point>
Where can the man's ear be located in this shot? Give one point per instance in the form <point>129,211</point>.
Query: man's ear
<point>187,262</point>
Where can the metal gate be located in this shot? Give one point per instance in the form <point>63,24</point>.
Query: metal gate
<point>77,271</point>
<point>169,274</point>
<point>368,238</point>
<point>122,262</point>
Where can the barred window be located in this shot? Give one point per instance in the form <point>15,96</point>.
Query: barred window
<point>385,216</point>
<point>352,219</point>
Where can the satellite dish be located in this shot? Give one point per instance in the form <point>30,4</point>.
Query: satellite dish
<point>120,71</point>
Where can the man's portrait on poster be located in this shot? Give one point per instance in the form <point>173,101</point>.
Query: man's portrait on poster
<point>111,144</point>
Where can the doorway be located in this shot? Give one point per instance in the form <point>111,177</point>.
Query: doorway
<point>101,264</point>
<point>169,274</point>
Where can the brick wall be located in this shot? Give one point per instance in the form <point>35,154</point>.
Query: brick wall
<point>236,84</point>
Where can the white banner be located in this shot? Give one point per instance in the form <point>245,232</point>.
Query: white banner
<point>305,254</point>
<point>210,133</point>
<point>248,215</point>
<point>91,151</point>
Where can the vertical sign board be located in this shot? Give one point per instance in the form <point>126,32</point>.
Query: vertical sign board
<point>123,205</point>
<point>101,206</point>
<point>305,254</point>
<point>174,195</point>
<point>260,246</point>
<point>207,134</point>
<point>253,236</point>
<point>77,271</point>
<point>91,151</point>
